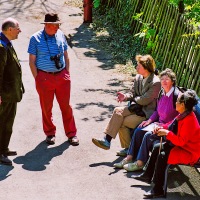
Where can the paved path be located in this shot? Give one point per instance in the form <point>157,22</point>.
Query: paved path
<point>61,171</point>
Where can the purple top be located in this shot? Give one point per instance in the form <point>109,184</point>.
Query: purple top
<point>165,111</point>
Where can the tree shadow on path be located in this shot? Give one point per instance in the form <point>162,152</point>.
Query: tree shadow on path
<point>18,8</point>
<point>38,158</point>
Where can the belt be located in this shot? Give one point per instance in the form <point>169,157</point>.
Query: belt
<point>51,72</point>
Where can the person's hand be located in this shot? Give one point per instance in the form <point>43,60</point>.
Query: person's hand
<point>144,123</point>
<point>0,100</point>
<point>162,132</point>
<point>157,128</point>
<point>120,97</point>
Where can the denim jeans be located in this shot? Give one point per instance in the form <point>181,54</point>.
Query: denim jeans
<point>141,144</point>
<point>136,141</point>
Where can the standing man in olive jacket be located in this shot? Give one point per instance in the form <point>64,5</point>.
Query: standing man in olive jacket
<point>11,86</point>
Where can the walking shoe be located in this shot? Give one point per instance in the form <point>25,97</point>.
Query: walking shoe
<point>153,195</point>
<point>74,141</point>
<point>123,152</point>
<point>104,144</point>
<point>11,153</point>
<point>4,160</point>
<point>121,164</point>
<point>50,139</point>
<point>131,167</point>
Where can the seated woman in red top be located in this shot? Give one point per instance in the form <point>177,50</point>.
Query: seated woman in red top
<point>182,146</point>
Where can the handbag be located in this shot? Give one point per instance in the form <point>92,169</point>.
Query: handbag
<point>137,109</point>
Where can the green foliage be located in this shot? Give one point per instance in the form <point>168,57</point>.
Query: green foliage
<point>150,32</point>
<point>137,16</point>
<point>96,3</point>
<point>116,39</point>
<point>192,10</point>
<point>146,32</point>
<point>119,40</point>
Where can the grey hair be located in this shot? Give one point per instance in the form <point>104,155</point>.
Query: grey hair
<point>168,72</point>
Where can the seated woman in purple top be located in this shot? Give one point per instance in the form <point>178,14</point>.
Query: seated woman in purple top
<point>141,143</point>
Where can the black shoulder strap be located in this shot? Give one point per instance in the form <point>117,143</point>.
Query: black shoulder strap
<point>182,89</point>
<point>175,96</point>
<point>160,94</point>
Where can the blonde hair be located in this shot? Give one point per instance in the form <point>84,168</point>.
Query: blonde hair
<point>147,62</point>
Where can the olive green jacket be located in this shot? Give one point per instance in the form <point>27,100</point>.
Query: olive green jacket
<point>11,86</point>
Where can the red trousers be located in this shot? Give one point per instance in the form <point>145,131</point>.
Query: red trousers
<point>48,86</point>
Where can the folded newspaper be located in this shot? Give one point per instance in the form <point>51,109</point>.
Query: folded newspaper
<point>150,127</point>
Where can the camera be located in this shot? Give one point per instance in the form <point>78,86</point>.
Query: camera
<point>56,60</point>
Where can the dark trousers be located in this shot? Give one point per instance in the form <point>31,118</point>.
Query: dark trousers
<point>7,116</point>
<point>136,141</point>
<point>146,147</point>
<point>157,164</point>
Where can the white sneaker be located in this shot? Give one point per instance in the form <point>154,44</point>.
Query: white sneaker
<point>121,164</point>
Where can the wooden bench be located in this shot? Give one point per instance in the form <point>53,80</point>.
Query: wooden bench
<point>196,166</point>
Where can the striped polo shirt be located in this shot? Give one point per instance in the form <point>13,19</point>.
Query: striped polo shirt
<point>44,46</point>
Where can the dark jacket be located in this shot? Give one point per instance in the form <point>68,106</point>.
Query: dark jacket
<point>11,86</point>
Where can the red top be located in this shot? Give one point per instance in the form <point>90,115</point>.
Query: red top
<point>187,141</point>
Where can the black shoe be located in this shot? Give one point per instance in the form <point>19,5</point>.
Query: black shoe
<point>142,177</point>
<point>74,141</point>
<point>4,160</point>
<point>50,139</point>
<point>151,195</point>
<point>11,153</point>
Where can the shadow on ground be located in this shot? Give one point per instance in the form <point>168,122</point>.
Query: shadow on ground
<point>38,158</point>
<point>109,164</point>
<point>4,172</point>
<point>179,179</point>
<point>18,8</point>
<point>85,46</point>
